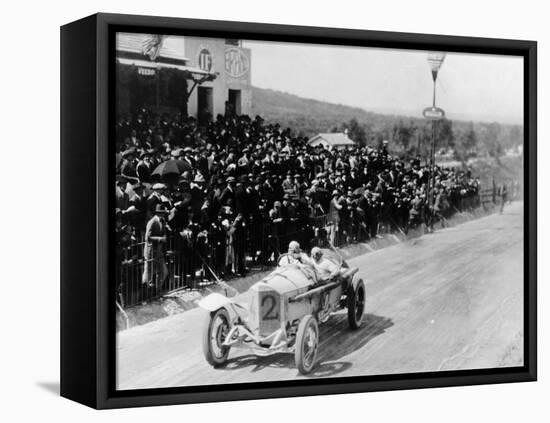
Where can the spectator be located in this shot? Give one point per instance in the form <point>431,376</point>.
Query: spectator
<point>143,168</point>
<point>155,269</point>
<point>503,197</point>
<point>252,187</point>
<point>334,216</point>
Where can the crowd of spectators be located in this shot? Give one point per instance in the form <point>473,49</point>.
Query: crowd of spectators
<point>238,187</point>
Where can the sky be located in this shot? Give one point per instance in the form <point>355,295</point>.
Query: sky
<point>469,86</point>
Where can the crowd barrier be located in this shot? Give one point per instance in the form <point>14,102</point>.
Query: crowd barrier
<point>181,264</point>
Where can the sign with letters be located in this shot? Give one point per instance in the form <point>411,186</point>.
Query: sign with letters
<point>433,113</point>
<point>146,71</point>
<point>236,62</point>
<point>205,60</point>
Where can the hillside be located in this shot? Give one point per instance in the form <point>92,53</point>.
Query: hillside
<point>307,117</point>
<point>407,135</point>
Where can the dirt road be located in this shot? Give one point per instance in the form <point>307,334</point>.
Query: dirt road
<point>448,300</point>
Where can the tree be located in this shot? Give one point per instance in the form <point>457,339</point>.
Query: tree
<point>491,135</point>
<point>466,144</point>
<point>445,136</point>
<point>356,132</point>
<point>403,135</point>
<point>515,136</point>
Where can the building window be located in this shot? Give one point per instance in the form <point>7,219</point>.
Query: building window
<point>232,42</point>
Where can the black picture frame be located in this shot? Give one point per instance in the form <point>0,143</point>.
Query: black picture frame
<point>87,308</point>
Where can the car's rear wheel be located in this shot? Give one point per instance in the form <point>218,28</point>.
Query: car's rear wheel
<point>307,342</point>
<point>215,331</point>
<point>356,304</point>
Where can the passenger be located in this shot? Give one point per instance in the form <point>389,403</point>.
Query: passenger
<point>326,269</point>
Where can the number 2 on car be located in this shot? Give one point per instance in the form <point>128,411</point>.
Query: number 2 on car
<point>269,311</point>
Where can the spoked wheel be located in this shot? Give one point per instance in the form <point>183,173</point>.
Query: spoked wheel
<point>356,304</point>
<point>215,331</point>
<point>307,342</point>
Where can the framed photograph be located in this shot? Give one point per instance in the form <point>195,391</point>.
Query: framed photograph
<point>256,211</point>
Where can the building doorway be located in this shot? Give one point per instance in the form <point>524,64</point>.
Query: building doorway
<point>233,105</point>
<point>205,104</point>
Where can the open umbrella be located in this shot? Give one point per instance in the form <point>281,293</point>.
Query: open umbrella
<point>171,167</point>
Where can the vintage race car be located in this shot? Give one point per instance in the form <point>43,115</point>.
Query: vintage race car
<point>282,313</point>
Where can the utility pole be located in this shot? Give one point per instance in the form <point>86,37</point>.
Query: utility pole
<point>435,60</point>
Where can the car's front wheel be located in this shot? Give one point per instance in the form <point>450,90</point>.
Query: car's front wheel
<point>356,304</point>
<point>307,342</point>
<point>216,328</point>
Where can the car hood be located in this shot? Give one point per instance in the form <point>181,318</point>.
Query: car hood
<point>284,280</point>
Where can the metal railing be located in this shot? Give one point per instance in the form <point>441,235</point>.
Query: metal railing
<point>198,262</point>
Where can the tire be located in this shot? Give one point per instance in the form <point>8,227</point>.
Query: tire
<point>356,304</point>
<point>307,343</point>
<point>214,353</point>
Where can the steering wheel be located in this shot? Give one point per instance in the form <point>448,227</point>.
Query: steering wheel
<point>280,258</point>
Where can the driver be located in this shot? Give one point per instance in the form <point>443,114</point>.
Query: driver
<point>295,255</point>
<point>326,269</point>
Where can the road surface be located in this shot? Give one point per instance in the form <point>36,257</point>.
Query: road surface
<point>445,301</point>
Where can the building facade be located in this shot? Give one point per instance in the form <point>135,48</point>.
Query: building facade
<point>337,140</point>
<point>194,76</point>
<point>231,91</point>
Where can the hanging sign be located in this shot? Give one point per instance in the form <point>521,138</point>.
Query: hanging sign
<point>433,113</point>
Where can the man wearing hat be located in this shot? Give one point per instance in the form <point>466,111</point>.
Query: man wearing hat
<point>416,212</point>
<point>155,270</point>
<point>121,197</point>
<point>143,168</point>
<point>441,205</point>
<point>228,192</point>
<point>128,166</point>
<point>288,184</point>
<point>155,198</point>
<point>276,220</point>
<point>187,156</point>
<point>253,198</point>
<point>334,215</point>
<point>243,161</point>
<point>198,193</point>
<point>182,199</point>
<point>239,229</point>
<point>300,186</point>
<point>202,163</point>
<point>268,190</point>
<point>241,196</point>
<point>138,208</point>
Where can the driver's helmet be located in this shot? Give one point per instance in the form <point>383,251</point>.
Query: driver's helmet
<point>294,247</point>
<point>316,253</point>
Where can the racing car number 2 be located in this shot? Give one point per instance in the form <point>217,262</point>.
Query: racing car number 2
<point>269,307</point>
